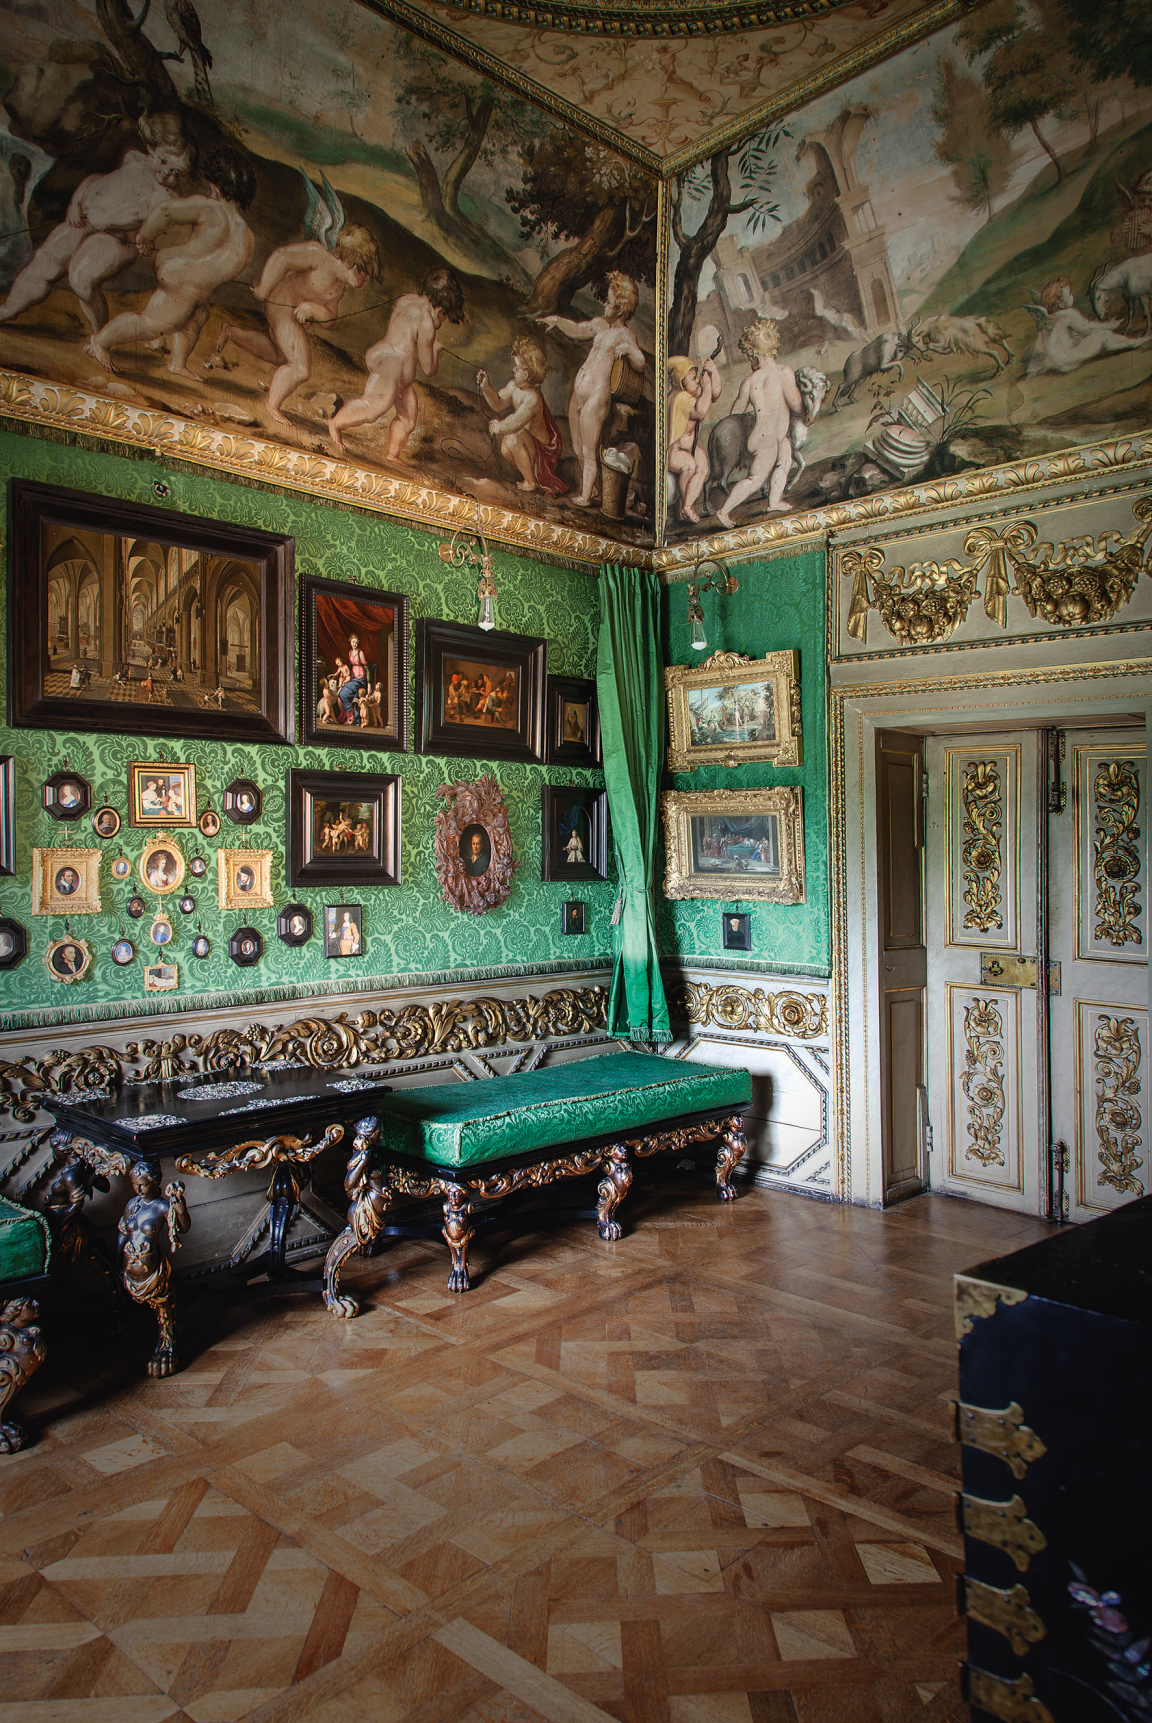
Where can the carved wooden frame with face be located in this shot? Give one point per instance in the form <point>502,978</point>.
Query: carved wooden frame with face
<point>469,811</point>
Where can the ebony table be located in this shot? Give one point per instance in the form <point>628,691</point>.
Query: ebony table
<point>211,1124</point>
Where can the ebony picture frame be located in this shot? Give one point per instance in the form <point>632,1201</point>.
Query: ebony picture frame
<point>66,795</point>
<point>321,604</point>
<point>437,645</point>
<point>563,750</point>
<point>308,794</point>
<point>14,942</point>
<point>286,920</point>
<point>737,931</point>
<point>555,801</point>
<point>246,946</point>
<point>7,813</point>
<point>34,508</point>
<point>239,792</point>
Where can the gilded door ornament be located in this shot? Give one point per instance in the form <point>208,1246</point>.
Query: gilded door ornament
<point>983,801</point>
<point>1116,1053</point>
<point>983,1081</point>
<point>1076,583</point>
<point>1116,859</point>
<point>802,1016</point>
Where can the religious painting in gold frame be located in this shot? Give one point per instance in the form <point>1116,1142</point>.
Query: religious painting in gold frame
<point>732,710</point>
<point>743,845</point>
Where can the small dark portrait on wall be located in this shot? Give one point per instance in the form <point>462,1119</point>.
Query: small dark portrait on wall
<point>243,801</point>
<point>575,723</point>
<point>294,924</point>
<point>13,943</point>
<point>737,932</point>
<point>574,837</point>
<point>123,952</point>
<point>342,930</point>
<point>198,867</point>
<point>66,795</point>
<point>246,946</point>
<point>135,907</point>
<point>106,822</point>
<point>475,851</point>
<point>573,919</point>
<point>201,946</point>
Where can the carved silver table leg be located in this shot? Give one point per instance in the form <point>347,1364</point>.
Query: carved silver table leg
<point>458,1232</point>
<point>149,1229</point>
<point>22,1352</point>
<point>733,1144</point>
<point>370,1198</point>
<point>612,1190</point>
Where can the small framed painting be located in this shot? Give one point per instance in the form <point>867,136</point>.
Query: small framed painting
<point>68,960</point>
<point>354,670</point>
<point>575,832</point>
<point>245,879</point>
<point>161,866</point>
<point>732,710</point>
<point>243,802</point>
<point>66,795</point>
<point>7,814</point>
<point>343,930</point>
<point>573,722</point>
<point>294,924</point>
<point>735,844</point>
<point>161,794</point>
<point>209,823</point>
<point>13,943</point>
<point>105,822</point>
<point>343,828</point>
<point>161,978</point>
<point>479,693</point>
<point>246,946</point>
<point>123,952</point>
<point>737,932</point>
<point>572,918</point>
<point>188,633</point>
<point>65,882</point>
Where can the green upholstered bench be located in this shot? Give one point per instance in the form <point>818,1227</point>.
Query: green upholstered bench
<point>24,1254</point>
<point>479,1141</point>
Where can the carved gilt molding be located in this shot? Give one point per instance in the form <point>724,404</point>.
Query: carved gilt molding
<point>1116,1055</point>
<point>982,1081</point>
<point>1116,853</point>
<point>800,1016</point>
<point>982,797</point>
<point>369,1037</point>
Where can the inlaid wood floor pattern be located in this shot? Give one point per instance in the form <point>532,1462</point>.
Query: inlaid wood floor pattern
<point>700,1476</point>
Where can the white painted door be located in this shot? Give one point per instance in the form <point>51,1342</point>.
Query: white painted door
<point>988,1092</point>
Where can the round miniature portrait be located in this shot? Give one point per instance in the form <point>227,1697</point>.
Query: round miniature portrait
<point>247,948</point>
<point>475,850</point>
<point>201,945</point>
<point>66,882</point>
<point>161,931</point>
<point>105,822</point>
<point>198,867</point>
<point>297,926</point>
<point>161,867</point>
<point>123,952</point>
<point>209,823</point>
<point>187,905</point>
<point>135,907</point>
<point>121,867</point>
<point>68,959</point>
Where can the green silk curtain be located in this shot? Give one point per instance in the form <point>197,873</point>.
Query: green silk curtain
<point>630,693</point>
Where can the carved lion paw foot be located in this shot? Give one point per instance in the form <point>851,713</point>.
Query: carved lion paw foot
<point>727,1193</point>
<point>340,1304</point>
<point>610,1231</point>
<point>162,1362</point>
<point>12,1438</point>
<point>458,1280</point>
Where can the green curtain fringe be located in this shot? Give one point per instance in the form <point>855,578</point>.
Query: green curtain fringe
<point>166,1006</point>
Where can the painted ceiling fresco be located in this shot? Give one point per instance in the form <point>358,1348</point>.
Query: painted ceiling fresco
<point>944,264</point>
<point>304,221</point>
<point>670,94</point>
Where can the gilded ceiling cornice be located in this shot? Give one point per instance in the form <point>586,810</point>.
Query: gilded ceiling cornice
<point>785,101</point>
<point>653,18</point>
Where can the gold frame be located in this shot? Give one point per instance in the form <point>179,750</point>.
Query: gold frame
<point>138,771</point>
<point>679,809</point>
<point>729,670</point>
<point>85,967</point>
<point>152,985</point>
<point>45,865</point>
<point>228,863</point>
<point>160,842</point>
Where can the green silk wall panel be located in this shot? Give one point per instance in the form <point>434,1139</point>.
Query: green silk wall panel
<point>780,604</point>
<point>408,930</point>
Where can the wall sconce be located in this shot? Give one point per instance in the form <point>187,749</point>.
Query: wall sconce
<point>724,584</point>
<point>470,550</point>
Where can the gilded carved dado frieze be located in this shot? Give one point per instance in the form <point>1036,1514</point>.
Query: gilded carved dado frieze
<point>982,797</point>
<point>369,1037</point>
<point>1116,851</point>
<point>1075,582</point>
<point>1116,1056</point>
<point>801,1016</point>
<point>982,1081</point>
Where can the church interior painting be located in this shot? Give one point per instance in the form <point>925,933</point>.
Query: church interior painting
<point>575,1034</point>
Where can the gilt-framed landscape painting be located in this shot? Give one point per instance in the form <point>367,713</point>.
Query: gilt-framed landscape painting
<point>125,617</point>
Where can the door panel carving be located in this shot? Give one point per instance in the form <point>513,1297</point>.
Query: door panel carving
<point>984,1060</point>
<point>1112,1083</point>
<point>982,791</point>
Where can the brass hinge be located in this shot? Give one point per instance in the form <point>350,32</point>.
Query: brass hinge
<point>973,1298</point>
<point>1004,1524</point>
<point>1002,1433</point>
<point>1011,1701</point>
<point>1006,1612</point>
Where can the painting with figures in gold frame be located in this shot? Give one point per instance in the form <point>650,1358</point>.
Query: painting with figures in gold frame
<point>735,844</point>
<point>732,710</point>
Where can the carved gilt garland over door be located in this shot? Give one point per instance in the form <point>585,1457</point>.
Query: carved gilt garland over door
<point>1024,1113</point>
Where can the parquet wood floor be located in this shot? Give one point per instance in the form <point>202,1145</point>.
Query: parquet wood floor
<point>700,1476</point>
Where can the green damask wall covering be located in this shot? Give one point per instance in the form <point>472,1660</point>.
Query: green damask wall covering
<point>780,604</point>
<point>408,930</point>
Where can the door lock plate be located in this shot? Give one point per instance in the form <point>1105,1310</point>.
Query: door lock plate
<point>1006,969</point>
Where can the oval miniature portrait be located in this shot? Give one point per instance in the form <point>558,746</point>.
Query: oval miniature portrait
<point>248,948</point>
<point>7,943</point>
<point>297,926</point>
<point>201,945</point>
<point>135,907</point>
<point>187,905</point>
<point>123,951</point>
<point>66,882</point>
<point>121,867</point>
<point>106,822</point>
<point>161,932</point>
<point>162,869</point>
<point>68,960</point>
<point>209,823</point>
<point>475,850</point>
<point>245,879</point>
<point>198,867</point>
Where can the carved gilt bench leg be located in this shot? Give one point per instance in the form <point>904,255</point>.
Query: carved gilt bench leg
<point>458,1234</point>
<point>22,1352</point>
<point>612,1190</point>
<point>733,1144</point>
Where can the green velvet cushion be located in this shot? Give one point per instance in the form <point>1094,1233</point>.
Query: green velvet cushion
<point>24,1246</point>
<point>459,1125</point>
